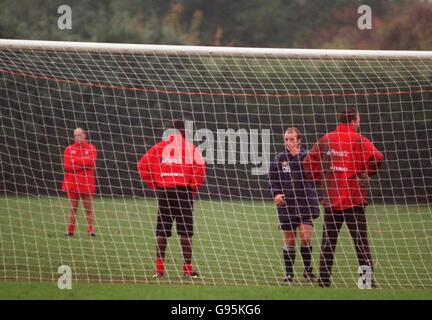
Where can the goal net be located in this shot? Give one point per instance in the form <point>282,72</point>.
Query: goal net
<point>237,103</point>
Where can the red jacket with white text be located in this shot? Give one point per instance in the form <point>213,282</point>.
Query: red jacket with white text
<point>173,163</point>
<point>79,165</point>
<point>340,161</point>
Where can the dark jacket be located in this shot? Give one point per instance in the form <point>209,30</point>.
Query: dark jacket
<point>286,177</point>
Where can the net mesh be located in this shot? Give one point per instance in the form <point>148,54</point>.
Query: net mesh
<point>238,108</point>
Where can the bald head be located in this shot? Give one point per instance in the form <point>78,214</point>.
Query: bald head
<point>79,135</point>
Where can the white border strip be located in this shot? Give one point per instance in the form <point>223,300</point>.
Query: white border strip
<point>202,50</point>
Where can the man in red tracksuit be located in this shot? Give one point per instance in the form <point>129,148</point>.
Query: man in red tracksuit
<point>176,169</point>
<point>79,179</point>
<point>342,162</point>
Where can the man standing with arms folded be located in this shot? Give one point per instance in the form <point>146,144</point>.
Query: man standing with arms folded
<point>342,162</point>
<point>79,179</point>
<point>176,169</point>
<point>297,203</point>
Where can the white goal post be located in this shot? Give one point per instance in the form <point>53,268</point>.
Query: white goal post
<point>237,103</point>
<point>207,50</point>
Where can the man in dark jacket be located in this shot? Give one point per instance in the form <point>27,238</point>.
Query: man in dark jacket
<point>297,203</point>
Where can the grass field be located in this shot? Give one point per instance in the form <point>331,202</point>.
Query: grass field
<point>237,250</point>
<point>167,292</point>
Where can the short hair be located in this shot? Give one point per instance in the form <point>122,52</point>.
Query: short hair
<point>294,129</point>
<point>179,124</point>
<point>80,129</point>
<point>348,115</point>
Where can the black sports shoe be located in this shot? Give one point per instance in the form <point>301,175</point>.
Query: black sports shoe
<point>192,275</point>
<point>92,234</point>
<point>324,283</point>
<point>158,275</point>
<point>289,279</point>
<point>309,276</point>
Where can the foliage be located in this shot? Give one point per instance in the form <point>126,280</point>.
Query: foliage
<point>397,24</point>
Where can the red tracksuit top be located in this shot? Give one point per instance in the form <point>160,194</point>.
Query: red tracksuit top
<point>336,160</point>
<point>173,163</point>
<point>79,166</point>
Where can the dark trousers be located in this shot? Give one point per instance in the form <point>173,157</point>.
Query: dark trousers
<point>175,204</point>
<point>355,219</point>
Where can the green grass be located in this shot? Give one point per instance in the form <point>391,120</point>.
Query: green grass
<point>168,292</point>
<point>237,250</point>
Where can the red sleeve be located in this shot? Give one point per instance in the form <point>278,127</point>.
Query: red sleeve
<point>67,160</point>
<point>312,163</point>
<point>372,158</point>
<point>70,163</point>
<point>144,167</point>
<point>198,170</point>
<point>90,161</point>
